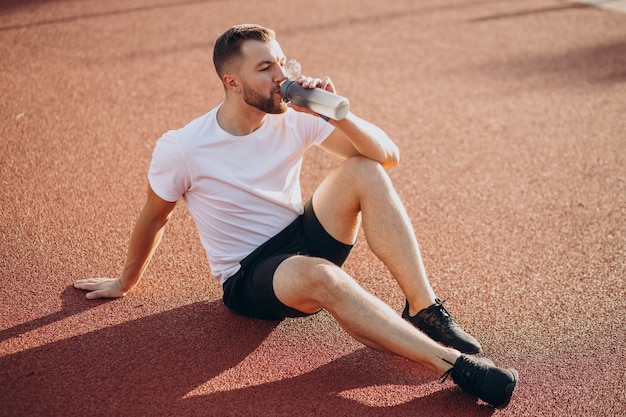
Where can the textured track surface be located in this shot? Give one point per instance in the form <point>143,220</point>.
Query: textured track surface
<point>511,118</point>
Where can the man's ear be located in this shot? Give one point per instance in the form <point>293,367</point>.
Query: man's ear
<point>232,83</point>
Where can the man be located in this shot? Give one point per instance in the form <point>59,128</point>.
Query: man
<point>238,167</point>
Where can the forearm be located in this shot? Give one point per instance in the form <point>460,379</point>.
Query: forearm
<point>369,140</point>
<point>144,240</point>
<point>143,244</point>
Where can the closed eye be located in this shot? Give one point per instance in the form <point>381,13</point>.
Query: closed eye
<point>266,66</point>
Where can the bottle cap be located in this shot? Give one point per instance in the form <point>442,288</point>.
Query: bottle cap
<point>293,69</point>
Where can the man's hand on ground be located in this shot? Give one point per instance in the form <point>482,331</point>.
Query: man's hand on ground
<point>101,287</point>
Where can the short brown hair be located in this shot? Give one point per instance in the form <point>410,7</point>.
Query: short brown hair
<point>228,44</point>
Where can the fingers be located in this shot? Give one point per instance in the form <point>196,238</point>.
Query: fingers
<point>100,288</point>
<point>90,283</point>
<point>95,294</point>
<point>311,82</point>
<point>327,84</point>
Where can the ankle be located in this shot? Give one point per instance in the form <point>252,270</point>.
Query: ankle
<point>418,304</point>
<point>447,359</point>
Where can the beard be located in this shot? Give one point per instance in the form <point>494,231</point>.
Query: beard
<point>266,104</point>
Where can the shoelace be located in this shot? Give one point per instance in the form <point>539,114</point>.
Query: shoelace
<point>464,373</point>
<point>439,304</point>
<point>447,374</point>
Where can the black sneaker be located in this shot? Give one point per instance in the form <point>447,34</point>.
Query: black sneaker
<point>439,325</point>
<point>481,378</point>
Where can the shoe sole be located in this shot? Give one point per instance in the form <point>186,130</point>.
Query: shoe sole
<point>509,389</point>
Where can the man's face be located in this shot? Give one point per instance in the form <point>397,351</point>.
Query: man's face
<point>262,74</point>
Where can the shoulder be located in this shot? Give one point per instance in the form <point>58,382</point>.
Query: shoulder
<point>198,126</point>
<point>201,128</point>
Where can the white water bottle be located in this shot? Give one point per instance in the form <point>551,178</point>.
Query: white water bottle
<point>320,101</point>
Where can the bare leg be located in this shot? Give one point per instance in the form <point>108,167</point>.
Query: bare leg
<point>308,284</point>
<point>361,187</point>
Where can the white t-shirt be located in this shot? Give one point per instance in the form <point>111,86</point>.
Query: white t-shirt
<point>240,190</point>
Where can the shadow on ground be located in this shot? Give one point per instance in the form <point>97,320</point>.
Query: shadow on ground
<point>150,365</point>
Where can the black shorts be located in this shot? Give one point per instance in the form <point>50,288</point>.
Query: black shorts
<point>250,292</point>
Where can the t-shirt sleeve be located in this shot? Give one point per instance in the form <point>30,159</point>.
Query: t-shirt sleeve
<point>314,129</point>
<point>324,130</point>
<point>169,173</point>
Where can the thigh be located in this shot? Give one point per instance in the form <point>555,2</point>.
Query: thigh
<point>337,201</point>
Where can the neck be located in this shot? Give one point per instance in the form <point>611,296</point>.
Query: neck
<point>239,120</point>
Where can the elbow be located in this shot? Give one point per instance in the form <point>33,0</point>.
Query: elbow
<point>393,157</point>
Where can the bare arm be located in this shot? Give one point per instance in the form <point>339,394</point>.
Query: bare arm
<point>143,242</point>
<point>354,136</point>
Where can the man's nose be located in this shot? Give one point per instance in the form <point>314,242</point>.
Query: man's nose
<point>281,75</point>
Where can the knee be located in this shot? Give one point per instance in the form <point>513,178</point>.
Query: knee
<point>329,282</point>
<point>364,171</point>
<point>363,164</point>
<point>364,168</point>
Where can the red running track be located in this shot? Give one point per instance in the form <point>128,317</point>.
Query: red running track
<point>511,121</point>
